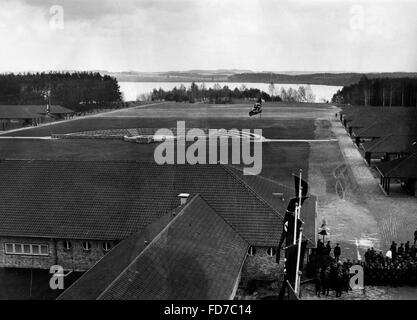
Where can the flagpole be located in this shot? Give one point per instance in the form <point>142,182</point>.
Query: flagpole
<point>297,275</point>
<point>297,215</point>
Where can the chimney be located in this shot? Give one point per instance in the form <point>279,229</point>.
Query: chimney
<point>183,198</point>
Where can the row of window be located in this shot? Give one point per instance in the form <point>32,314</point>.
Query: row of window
<point>28,249</point>
<point>106,246</point>
<point>43,249</point>
<point>270,251</point>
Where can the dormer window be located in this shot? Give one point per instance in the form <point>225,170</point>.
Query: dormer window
<point>251,251</point>
<point>271,252</point>
<point>67,245</point>
<point>86,246</point>
<point>106,246</point>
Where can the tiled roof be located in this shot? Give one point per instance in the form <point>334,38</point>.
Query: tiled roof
<point>196,256</point>
<point>29,111</point>
<point>384,128</point>
<point>399,168</point>
<point>266,188</point>
<point>101,275</point>
<point>110,200</point>
<point>391,144</point>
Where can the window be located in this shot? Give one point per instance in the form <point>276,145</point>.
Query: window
<point>86,245</point>
<point>106,246</point>
<point>9,248</point>
<point>271,252</point>
<point>44,249</point>
<point>251,251</point>
<point>27,249</point>
<point>67,245</point>
<point>18,248</point>
<point>35,250</point>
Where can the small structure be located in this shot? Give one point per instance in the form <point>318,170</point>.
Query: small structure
<point>389,147</point>
<point>403,170</point>
<point>385,128</point>
<point>17,116</point>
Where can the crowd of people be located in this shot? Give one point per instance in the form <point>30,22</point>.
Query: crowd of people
<point>397,267</point>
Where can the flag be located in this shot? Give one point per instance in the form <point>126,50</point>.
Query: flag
<point>304,186</point>
<point>291,260</point>
<point>293,203</point>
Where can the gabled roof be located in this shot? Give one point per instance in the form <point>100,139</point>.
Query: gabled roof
<point>197,255</point>
<point>399,168</point>
<point>384,128</point>
<point>268,190</point>
<point>29,111</point>
<point>110,200</point>
<point>391,144</point>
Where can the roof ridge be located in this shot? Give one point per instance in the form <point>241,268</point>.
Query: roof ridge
<point>251,189</point>
<point>267,179</point>
<point>399,163</point>
<point>379,141</point>
<point>221,217</point>
<point>227,168</point>
<point>148,246</point>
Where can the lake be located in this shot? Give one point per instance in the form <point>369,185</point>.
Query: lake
<point>133,90</point>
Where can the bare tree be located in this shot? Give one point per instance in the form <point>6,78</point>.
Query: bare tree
<point>271,90</point>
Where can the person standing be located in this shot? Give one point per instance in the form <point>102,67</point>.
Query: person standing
<point>407,248</point>
<point>317,283</point>
<point>393,249</point>
<point>415,236</point>
<point>328,248</point>
<point>337,251</point>
<point>401,249</point>
<point>413,251</point>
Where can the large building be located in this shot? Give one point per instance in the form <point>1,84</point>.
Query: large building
<point>72,213</point>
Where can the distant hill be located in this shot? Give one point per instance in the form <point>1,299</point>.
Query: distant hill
<point>236,75</point>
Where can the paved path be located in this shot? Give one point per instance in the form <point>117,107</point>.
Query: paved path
<point>359,214</point>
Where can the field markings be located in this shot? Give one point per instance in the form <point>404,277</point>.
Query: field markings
<point>28,138</point>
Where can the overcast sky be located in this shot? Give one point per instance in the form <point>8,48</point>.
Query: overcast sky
<point>162,35</point>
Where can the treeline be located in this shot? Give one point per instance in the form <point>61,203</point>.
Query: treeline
<point>379,92</point>
<point>79,91</point>
<point>331,79</point>
<point>217,94</point>
<point>224,94</point>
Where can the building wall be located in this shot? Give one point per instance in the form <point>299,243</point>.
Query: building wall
<point>262,267</point>
<point>76,258</point>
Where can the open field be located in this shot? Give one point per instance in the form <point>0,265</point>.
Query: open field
<point>295,121</point>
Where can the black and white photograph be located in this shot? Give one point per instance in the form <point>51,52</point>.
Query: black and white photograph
<point>208,150</point>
